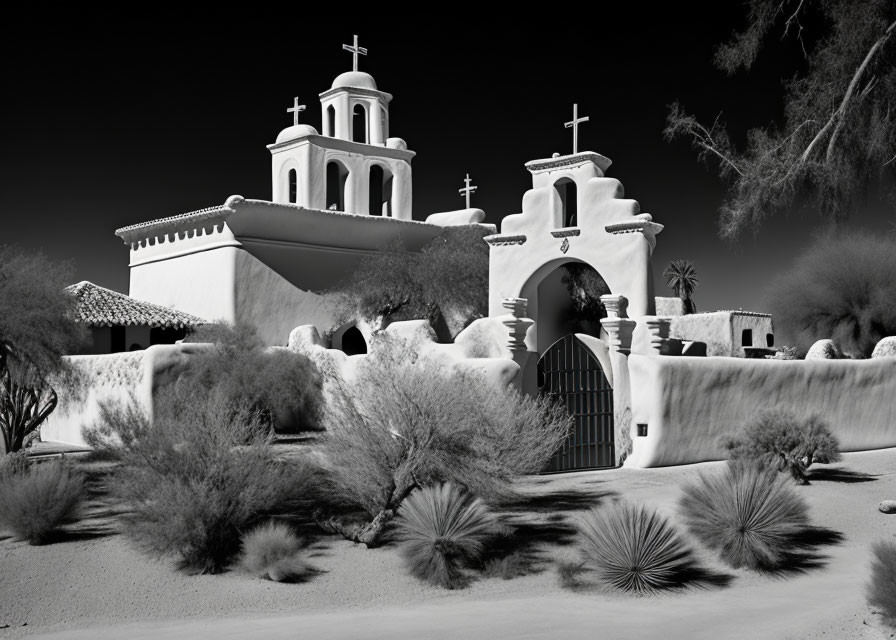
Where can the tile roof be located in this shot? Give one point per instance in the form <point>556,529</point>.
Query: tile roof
<point>101,307</point>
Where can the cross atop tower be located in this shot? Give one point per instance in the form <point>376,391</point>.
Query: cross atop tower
<point>296,110</point>
<point>467,190</point>
<point>574,123</point>
<point>355,49</point>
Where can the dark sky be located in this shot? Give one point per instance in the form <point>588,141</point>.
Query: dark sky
<point>112,121</point>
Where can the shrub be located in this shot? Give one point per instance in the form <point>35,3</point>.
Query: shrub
<point>881,591</point>
<point>35,500</point>
<point>842,287</point>
<point>405,422</point>
<point>442,530</point>
<point>632,548</point>
<point>507,568</point>
<point>14,463</point>
<point>747,513</point>
<point>195,478</point>
<point>780,439</point>
<point>272,551</point>
<point>568,573</point>
<point>283,387</point>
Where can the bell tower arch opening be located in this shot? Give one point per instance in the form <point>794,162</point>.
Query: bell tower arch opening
<point>380,197</point>
<point>337,176</point>
<point>293,187</point>
<point>331,122</point>
<point>566,188</point>
<point>359,123</point>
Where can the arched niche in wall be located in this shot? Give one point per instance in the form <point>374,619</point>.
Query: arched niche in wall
<point>349,340</point>
<point>380,196</point>
<point>566,188</point>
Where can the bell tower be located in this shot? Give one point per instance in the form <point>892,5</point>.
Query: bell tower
<point>354,166</point>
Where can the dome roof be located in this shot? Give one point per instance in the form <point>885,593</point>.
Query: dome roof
<point>296,131</point>
<point>354,79</point>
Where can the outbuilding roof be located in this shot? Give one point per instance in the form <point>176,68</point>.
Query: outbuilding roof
<point>101,307</point>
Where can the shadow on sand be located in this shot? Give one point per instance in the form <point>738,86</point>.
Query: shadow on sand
<point>804,553</point>
<point>838,475</point>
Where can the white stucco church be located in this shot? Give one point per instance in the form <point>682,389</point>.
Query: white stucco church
<point>336,195</point>
<point>644,389</point>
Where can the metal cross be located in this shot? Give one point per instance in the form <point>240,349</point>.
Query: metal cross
<point>355,49</point>
<point>296,110</point>
<point>467,190</point>
<point>575,127</point>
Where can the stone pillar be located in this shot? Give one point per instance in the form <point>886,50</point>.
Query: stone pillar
<point>658,329</point>
<point>517,326</point>
<point>619,328</point>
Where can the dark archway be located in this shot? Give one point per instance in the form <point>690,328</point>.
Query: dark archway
<point>353,342</point>
<point>380,200</point>
<point>331,121</point>
<point>359,123</point>
<point>569,200</point>
<point>337,175</point>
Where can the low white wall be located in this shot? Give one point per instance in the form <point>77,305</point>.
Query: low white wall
<point>688,403</point>
<point>108,377</point>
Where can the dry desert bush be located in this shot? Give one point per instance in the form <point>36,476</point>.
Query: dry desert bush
<point>747,513</point>
<point>273,551</point>
<point>881,590</point>
<point>195,478</point>
<point>782,440</point>
<point>443,530</point>
<point>36,499</point>
<point>407,421</point>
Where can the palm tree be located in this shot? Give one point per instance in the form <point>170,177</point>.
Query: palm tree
<point>681,277</point>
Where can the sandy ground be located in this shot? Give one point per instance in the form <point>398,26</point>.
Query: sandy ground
<point>93,585</point>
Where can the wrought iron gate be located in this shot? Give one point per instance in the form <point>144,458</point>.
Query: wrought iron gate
<point>570,371</point>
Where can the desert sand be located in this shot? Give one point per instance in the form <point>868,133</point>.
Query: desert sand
<point>93,584</point>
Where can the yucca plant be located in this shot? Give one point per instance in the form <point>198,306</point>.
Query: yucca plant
<point>272,551</point>
<point>442,530</point>
<point>632,548</point>
<point>747,512</point>
<point>881,591</point>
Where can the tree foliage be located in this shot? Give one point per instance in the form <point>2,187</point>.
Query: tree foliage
<point>681,277</point>
<point>282,387</point>
<point>37,327</point>
<point>585,286</point>
<point>837,134</point>
<point>842,287</point>
<point>448,278</point>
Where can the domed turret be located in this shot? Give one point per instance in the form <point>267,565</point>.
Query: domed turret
<point>296,131</point>
<point>354,80</point>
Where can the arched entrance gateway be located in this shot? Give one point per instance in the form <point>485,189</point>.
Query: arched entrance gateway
<point>562,265</point>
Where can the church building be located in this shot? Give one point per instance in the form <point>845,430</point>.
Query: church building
<point>336,195</point>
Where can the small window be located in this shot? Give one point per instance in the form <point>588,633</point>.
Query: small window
<point>769,339</point>
<point>566,189</point>
<point>642,430</point>
<point>353,342</point>
<point>293,186</point>
<point>746,338</point>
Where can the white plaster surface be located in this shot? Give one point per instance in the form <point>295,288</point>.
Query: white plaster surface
<point>688,403</point>
<point>722,330</point>
<point>886,348</point>
<point>457,218</point>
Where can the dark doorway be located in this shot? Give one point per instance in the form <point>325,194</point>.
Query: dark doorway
<point>293,186</point>
<point>336,178</point>
<point>569,371</point>
<point>353,342</point>
<point>331,121</point>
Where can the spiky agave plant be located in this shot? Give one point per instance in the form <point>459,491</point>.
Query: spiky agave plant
<point>442,530</point>
<point>881,590</point>
<point>748,513</point>
<point>272,551</point>
<point>632,548</point>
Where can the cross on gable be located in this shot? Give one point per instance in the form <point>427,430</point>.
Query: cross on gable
<point>467,190</point>
<point>574,123</point>
<point>355,49</point>
<point>296,110</point>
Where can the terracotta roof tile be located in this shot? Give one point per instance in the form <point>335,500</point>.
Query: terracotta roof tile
<point>101,307</point>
